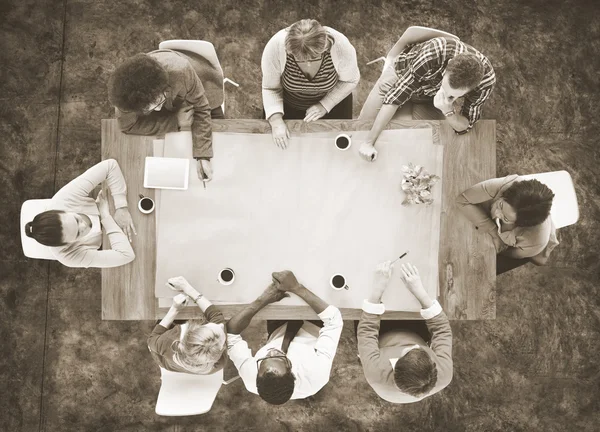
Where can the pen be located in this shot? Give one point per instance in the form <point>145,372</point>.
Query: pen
<point>400,257</point>
<point>204,177</point>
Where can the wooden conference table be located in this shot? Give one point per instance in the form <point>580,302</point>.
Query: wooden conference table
<point>467,281</point>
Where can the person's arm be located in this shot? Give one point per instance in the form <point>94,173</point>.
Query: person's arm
<point>481,192</point>
<point>314,301</point>
<point>272,92</point>
<point>367,332</point>
<point>346,65</point>
<point>411,36</point>
<point>241,356</point>
<point>441,342</point>
<point>83,185</point>
<point>201,125</point>
<point>154,123</point>
<point>239,322</point>
<point>437,323</point>
<point>470,112</point>
<point>120,252</point>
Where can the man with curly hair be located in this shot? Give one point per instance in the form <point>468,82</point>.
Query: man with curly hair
<point>456,77</point>
<point>162,92</point>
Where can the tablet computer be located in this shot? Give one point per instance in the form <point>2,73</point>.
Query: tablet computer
<point>166,173</point>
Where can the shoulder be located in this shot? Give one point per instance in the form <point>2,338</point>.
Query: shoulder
<point>341,44</point>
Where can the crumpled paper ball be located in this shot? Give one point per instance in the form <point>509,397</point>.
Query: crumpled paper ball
<point>416,184</point>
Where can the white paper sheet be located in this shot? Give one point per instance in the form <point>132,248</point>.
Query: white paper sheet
<point>311,208</point>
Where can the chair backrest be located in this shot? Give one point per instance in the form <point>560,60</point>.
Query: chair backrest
<point>565,210</point>
<point>183,394</point>
<point>426,30</point>
<point>200,47</point>
<point>31,248</point>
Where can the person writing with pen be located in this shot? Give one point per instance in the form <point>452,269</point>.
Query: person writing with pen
<point>161,92</point>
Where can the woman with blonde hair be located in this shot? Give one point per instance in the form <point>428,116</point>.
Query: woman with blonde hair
<point>196,347</point>
<point>309,72</point>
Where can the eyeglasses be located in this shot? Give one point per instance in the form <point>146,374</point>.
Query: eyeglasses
<point>164,99</point>
<point>283,356</point>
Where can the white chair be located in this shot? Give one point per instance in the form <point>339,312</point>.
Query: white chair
<point>202,48</point>
<point>183,394</point>
<point>565,210</point>
<point>417,34</point>
<point>31,248</point>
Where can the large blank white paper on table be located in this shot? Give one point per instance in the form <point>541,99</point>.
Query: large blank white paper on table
<point>311,208</point>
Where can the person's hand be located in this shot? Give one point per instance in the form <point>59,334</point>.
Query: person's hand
<point>204,170</point>
<point>185,116</point>
<point>315,112</point>
<point>367,151</point>
<point>272,294</point>
<point>123,218</point>
<point>102,204</point>
<point>179,283</point>
<point>439,101</point>
<point>383,273</point>
<point>180,301</point>
<point>498,243</point>
<point>286,281</point>
<point>281,134</point>
<point>412,280</point>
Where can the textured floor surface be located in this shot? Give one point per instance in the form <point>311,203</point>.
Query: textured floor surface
<point>535,368</point>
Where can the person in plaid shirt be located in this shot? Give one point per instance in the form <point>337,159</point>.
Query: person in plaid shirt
<point>455,75</point>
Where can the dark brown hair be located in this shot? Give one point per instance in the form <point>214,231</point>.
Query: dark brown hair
<point>274,388</point>
<point>136,83</point>
<point>415,373</point>
<point>465,71</point>
<point>46,228</point>
<point>531,199</point>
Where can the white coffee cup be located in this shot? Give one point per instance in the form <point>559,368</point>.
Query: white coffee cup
<point>338,282</point>
<point>344,138</point>
<point>146,204</point>
<point>226,276</point>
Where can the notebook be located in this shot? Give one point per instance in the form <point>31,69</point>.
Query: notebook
<point>166,173</point>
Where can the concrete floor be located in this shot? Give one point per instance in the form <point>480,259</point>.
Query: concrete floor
<point>534,368</point>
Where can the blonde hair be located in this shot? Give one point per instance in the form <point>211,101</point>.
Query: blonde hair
<point>307,39</point>
<point>201,348</point>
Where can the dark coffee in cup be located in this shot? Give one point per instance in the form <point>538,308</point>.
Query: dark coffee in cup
<point>342,142</point>
<point>226,275</point>
<point>146,204</point>
<point>338,281</point>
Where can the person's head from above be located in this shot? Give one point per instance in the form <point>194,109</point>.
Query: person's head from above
<point>463,73</point>
<point>415,373</point>
<point>200,346</point>
<point>58,228</point>
<point>275,380</point>
<point>307,40</point>
<point>138,85</point>
<point>526,203</point>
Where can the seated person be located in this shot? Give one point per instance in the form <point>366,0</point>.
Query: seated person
<point>161,92</point>
<point>397,362</point>
<point>309,72</point>
<point>72,225</point>
<point>441,70</point>
<point>515,213</point>
<point>296,361</point>
<point>200,347</point>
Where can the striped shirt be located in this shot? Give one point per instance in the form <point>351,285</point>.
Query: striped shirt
<point>420,71</point>
<point>301,92</point>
